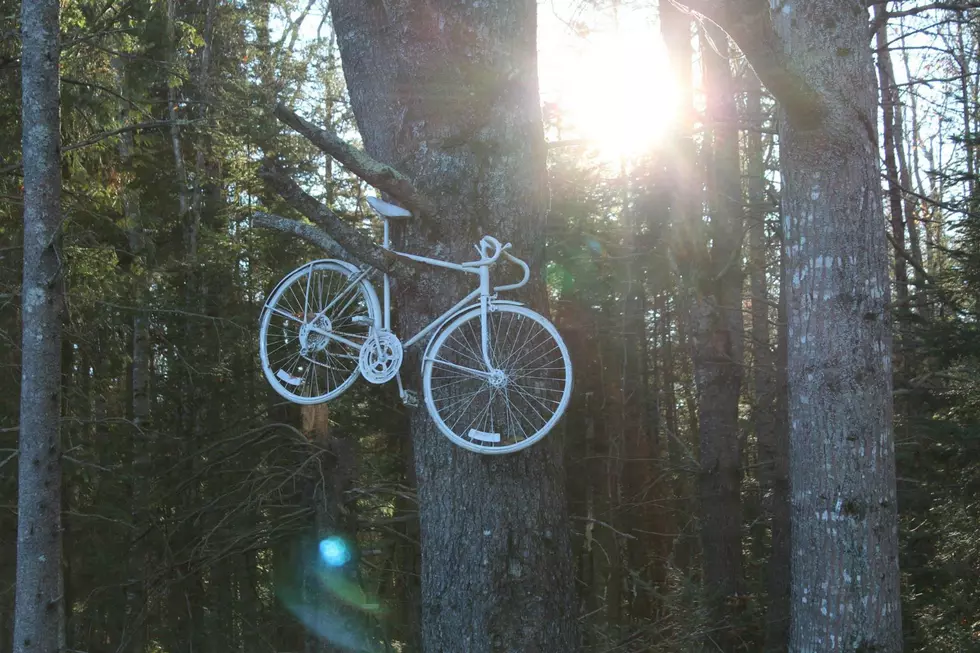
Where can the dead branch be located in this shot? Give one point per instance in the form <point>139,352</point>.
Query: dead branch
<point>342,234</point>
<point>750,26</point>
<point>378,174</point>
<point>338,233</point>
<point>307,232</point>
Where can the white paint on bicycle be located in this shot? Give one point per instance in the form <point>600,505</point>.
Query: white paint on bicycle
<point>483,436</point>
<point>381,357</point>
<point>496,375</point>
<point>286,377</point>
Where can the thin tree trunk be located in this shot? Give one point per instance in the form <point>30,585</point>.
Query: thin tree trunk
<point>183,187</point>
<point>717,356</point>
<point>638,465</point>
<point>962,58</point>
<point>39,619</point>
<point>202,145</point>
<point>679,459</point>
<point>675,27</point>
<point>771,440</point>
<point>448,93</point>
<point>845,581</point>
<point>911,223</point>
<point>334,605</point>
<point>139,381</point>
<point>887,93</point>
<point>778,574</point>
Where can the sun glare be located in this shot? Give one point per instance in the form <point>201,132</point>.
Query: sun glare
<point>610,86</point>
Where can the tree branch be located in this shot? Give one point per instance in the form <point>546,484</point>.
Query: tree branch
<point>101,136</point>
<point>915,11</point>
<point>307,232</point>
<point>379,175</point>
<point>341,234</point>
<point>749,24</point>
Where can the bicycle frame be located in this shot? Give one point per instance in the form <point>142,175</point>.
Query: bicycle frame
<point>326,324</point>
<point>483,292</point>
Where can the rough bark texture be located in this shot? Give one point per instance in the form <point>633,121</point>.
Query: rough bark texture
<point>446,92</point>
<point>845,583</point>
<point>39,613</point>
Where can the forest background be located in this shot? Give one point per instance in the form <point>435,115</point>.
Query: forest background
<point>192,495</point>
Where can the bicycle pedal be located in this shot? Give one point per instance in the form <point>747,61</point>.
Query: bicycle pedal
<point>410,399</point>
<point>362,319</point>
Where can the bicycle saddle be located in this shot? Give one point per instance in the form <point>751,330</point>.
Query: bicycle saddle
<point>388,210</point>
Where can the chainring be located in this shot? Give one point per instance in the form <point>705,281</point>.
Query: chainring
<point>381,357</point>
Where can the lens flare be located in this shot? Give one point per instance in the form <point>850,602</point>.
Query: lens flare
<point>321,587</point>
<point>334,551</point>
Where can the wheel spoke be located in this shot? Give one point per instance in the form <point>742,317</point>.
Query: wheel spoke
<point>526,402</point>
<point>297,315</point>
<point>477,373</point>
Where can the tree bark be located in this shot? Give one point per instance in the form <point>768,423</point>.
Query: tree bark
<point>845,583</point>
<point>39,620</point>
<point>447,93</point>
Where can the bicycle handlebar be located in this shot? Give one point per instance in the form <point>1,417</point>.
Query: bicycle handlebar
<point>522,282</point>
<point>486,243</point>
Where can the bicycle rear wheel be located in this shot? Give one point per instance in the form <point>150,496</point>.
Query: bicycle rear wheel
<point>312,328</point>
<point>503,411</point>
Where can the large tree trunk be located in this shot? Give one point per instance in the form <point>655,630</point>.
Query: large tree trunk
<point>447,93</point>
<point>845,583</point>
<point>39,614</point>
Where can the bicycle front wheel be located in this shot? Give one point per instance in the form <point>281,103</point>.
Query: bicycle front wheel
<point>511,406</point>
<point>311,331</point>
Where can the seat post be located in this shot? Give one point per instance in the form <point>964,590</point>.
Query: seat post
<point>387,287</point>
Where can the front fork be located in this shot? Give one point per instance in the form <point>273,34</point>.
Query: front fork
<point>484,322</point>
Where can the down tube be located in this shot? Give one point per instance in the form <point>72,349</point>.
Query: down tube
<point>439,321</point>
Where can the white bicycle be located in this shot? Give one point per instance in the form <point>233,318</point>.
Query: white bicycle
<point>496,375</point>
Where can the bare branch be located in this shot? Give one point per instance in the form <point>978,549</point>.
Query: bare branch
<point>749,24</point>
<point>302,230</point>
<point>379,175</point>
<point>921,9</point>
<point>344,235</point>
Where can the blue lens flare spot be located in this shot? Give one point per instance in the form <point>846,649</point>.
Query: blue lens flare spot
<point>334,551</point>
